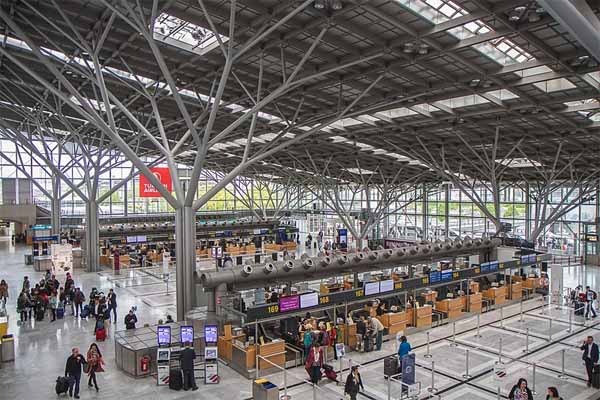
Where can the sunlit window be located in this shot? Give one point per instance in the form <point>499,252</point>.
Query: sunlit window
<point>185,35</point>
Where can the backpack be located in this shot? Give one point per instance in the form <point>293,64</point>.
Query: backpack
<point>594,295</point>
<point>307,339</point>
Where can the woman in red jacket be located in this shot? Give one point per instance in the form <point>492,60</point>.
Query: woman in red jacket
<point>95,363</point>
<point>314,363</point>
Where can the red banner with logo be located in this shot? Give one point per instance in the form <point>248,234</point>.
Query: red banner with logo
<point>147,189</point>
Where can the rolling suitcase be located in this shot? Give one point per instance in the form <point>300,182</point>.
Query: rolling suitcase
<point>100,334</point>
<point>85,312</point>
<point>62,385</point>
<point>39,314</point>
<point>60,313</point>
<point>579,308</point>
<point>390,366</point>
<point>596,377</point>
<point>175,379</point>
<point>368,344</point>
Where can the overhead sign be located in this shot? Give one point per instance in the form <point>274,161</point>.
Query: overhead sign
<point>147,189</point>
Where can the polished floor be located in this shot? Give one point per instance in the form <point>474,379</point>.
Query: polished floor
<point>529,341</point>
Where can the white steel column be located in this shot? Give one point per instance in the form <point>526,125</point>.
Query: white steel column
<point>92,236</point>
<point>55,206</point>
<point>185,259</point>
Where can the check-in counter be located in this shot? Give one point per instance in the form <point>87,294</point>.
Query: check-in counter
<point>516,290</point>
<point>475,301</point>
<point>451,307</point>
<point>274,352</point>
<point>349,334</point>
<point>474,286</point>
<point>331,288</point>
<point>410,316</point>
<point>394,322</point>
<point>225,344</point>
<point>531,283</point>
<point>430,296</point>
<point>423,316</point>
<point>243,359</point>
<point>496,295</point>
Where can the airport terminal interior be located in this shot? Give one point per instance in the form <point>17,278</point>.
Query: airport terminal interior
<point>300,199</point>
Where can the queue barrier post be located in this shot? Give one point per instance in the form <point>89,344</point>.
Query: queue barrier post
<point>500,351</point>
<point>466,375</point>
<point>453,334</point>
<point>570,322</point>
<point>562,374</point>
<point>478,325</point>
<point>533,391</point>
<point>550,330</point>
<point>521,309</point>
<point>314,387</point>
<point>428,354</point>
<point>502,317</point>
<point>526,341</point>
<point>499,396</point>
<point>433,389</point>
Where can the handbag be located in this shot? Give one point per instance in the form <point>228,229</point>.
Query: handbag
<point>86,368</point>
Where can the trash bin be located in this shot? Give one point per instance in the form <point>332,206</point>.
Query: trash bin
<point>8,348</point>
<point>262,389</point>
<point>28,259</point>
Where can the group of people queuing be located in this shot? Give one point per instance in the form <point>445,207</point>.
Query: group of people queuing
<point>35,300</point>
<point>521,391</point>
<point>368,329</point>
<point>77,364</point>
<point>319,333</point>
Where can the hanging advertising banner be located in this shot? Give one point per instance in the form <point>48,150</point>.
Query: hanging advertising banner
<point>163,175</point>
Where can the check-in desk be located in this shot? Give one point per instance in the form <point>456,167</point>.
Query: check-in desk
<point>430,296</point>
<point>474,286</point>
<point>451,307</point>
<point>243,359</point>
<point>274,352</point>
<point>516,290</point>
<point>496,295</point>
<point>225,344</point>
<point>349,334</point>
<point>423,316</point>
<point>410,316</point>
<point>394,322</point>
<point>473,302</point>
<point>331,288</point>
<point>531,283</point>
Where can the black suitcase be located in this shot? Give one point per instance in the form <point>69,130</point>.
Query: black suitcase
<point>175,379</point>
<point>390,366</point>
<point>62,385</point>
<point>596,377</point>
<point>39,315</point>
<point>368,344</point>
<point>579,308</point>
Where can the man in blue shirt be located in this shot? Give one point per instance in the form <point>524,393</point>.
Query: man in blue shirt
<point>404,348</point>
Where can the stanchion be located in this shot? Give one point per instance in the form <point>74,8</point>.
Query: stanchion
<point>314,392</point>
<point>502,317</point>
<point>285,385</point>
<point>428,354</point>
<point>562,374</point>
<point>526,341</point>
<point>521,309</point>
<point>570,322</point>
<point>453,344</point>
<point>550,331</point>
<point>533,381</point>
<point>466,375</point>
<point>341,380</point>
<point>432,389</point>
<point>499,396</point>
<point>389,388</point>
<point>478,325</point>
<point>500,351</point>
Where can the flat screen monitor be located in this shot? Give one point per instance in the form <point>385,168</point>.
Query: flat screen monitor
<point>386,286</point>
<point>210,333</point>
<point>164,335</point>
<point>141,239</point>
<point>371,288</point>
<point>494,266</point>
<point>435,277</point>
<point>186,334</point>
<point>309,300</point>
<point>289,303</point>
<point>131,239</point>
<point>525,259</point>
<point>485,268</point>
<point>446,275</point>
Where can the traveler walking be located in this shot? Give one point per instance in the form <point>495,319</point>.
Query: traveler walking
<point>78,300</point>
<point>590,357</point>
<point>3,291</point>
<point>112,304</point>
<point>23,305</point>
<point>553,394</point>
<point>314,363</point>
<point>95,364</point>
<point>26,283</point>
<point>353,383</point>
<point>53,302</point>
<point>130,319</point>
<point>73,370</point>
<point>404,348</point>
<point>520,391</point>
<point>188,355</point>
<point>590,296</point>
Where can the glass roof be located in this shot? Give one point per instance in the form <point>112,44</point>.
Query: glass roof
<point>185,35</point>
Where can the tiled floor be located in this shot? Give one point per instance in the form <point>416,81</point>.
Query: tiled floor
<point>43,347</point>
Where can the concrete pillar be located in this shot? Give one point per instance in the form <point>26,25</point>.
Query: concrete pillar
<point>55,206</point>
<point>185,259</point>
<point>92,237</point>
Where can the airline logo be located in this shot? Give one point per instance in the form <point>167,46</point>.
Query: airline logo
<point>147,189</point>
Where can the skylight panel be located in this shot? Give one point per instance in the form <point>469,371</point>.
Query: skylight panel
<point>185,35</point>
<point>436,11</point>
<point>357,171</point>
<point>345,123</point>
<point>503,94</point>
<point>395,113</point>
<point>519,162</point>
<point>554,85</point>
<point>463,101</point>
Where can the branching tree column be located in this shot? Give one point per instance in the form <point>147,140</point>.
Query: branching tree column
<point>55,213</point>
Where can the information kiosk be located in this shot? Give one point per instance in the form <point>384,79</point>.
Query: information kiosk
<point>163,355</point>
<point>211,355</point>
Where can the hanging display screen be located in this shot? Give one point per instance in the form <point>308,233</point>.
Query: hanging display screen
<point>289,303</point>
<point>371,288</point>
<point>435,277</point>
<point>309,300</point>
<point>446,275</point>
<point>386,286</point>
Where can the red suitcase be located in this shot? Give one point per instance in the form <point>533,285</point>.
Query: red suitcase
<point>100,335</point>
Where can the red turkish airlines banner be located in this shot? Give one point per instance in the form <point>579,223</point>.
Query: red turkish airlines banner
<point>163,175</point>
